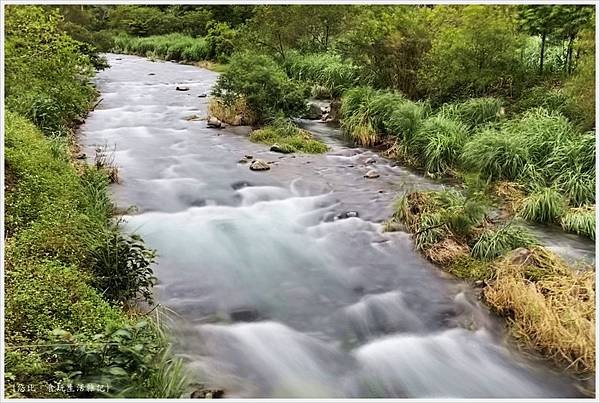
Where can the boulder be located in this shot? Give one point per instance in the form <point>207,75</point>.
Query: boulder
<point>259,165</point>
<point>314,111</point>
<point>372,174</point>
<point>178,88</point>
<point>284,149</point>
<point>214,123</point>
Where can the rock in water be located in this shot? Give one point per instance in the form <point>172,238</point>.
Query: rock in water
<point>214,122</point>
<point>372,174</point>
<point>244,315</point>
<point>151,74</point>
<point>314,111</point>
<point>281,149</point>
<point>259,165</point>
<point>370,160</point>
<point>202,96</point>
<point>237,120</point>
<point>182,88</point>
<point>346,214</point>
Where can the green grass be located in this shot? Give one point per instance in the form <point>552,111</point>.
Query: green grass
<point>544,205</point>
<point>475,111</point>
<point>581,221</point>
<point>498,241</point>
<point>329,75</point>
<point>169,47</point>
<point>438,143</point>
<point>289,137</point>
<point>55,217</point>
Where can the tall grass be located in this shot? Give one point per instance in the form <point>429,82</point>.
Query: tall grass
<point>498,241</point>
<point>544,205</point>
<point>438,143</point>
<point>326,71</point>
<point>169,47</point>
<point>580,220</point>
<point>475,111</point>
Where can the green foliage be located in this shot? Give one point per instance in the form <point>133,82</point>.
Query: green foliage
<point>122,268</point>
<point>474,52</point>
<point>406,118</point>
<point>326,70</point>
<point>131,359</point>
<point>288,137</point>
<point>544,205</point>
<point>263,84</point>
<point>46,74</point>
<point>169,47</point>
<point>498,241</point>
<point>475,111</point>
<point>468,268</point>
<point>438,143</point>
<point>581,221</point>
<point>220,40</point>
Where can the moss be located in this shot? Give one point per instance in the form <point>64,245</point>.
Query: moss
<point>469,268</point>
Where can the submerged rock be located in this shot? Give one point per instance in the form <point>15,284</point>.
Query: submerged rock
<point>244,315</point>
<point>370,160</point>
<point>240,184</point>
<point>346,214</point>
<point>178,88</point>
<point>202,96</point>
<point>151,74</point>
<point>372,174</point>
<point>248,156</point>
<point>259,165</point>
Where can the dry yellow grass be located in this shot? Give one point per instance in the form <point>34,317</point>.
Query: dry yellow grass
<point>550,307</point>
<point>446,251</point>
<point>512,194</point>
<point>237,114</point>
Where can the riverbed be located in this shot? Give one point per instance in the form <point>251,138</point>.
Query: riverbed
<point>273,292</point>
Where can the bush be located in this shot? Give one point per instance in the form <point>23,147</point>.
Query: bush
<point>263,84</point>
<point>581,221</point>
<point>544,205</point>
<point>220,40</point>
<point>288,137</point>
<point>122,268</point>
<point>498,241</point>
<point>406,118</point>
<point>438,143</point>
<point>475,111</point>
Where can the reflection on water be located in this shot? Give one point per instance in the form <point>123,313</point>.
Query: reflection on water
<point>276,297</point>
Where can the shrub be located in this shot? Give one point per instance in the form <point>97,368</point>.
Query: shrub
<point>438,143</point>
<point>544,205</point>
<point>263,84</point>
<point>581,221</point>
<point>220,40</point>
<point>497,241</point>
<point>122,268</point>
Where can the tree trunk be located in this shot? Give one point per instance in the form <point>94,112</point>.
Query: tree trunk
<point>570,53</point>
<point>542,51</point>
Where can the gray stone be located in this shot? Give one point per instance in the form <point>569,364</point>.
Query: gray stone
<point>370,160</point>
<point>259,165</point>
<point>314,111</point>
<point>346,214</point>
<point>372,174</point>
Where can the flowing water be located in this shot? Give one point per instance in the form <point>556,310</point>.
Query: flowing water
<point>275,295</point>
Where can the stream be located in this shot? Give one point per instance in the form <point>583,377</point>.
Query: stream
<point>273,295</point>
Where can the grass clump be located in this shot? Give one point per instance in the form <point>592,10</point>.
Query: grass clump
<point>329,75</point>
<point>580,221</point>
<point>288,137</point>
<point>544,205</point>
<point>549,306</point>
<point>438,142</point>
<point>495,242</point>
<point>236,113</point>
<point>475,111</point>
